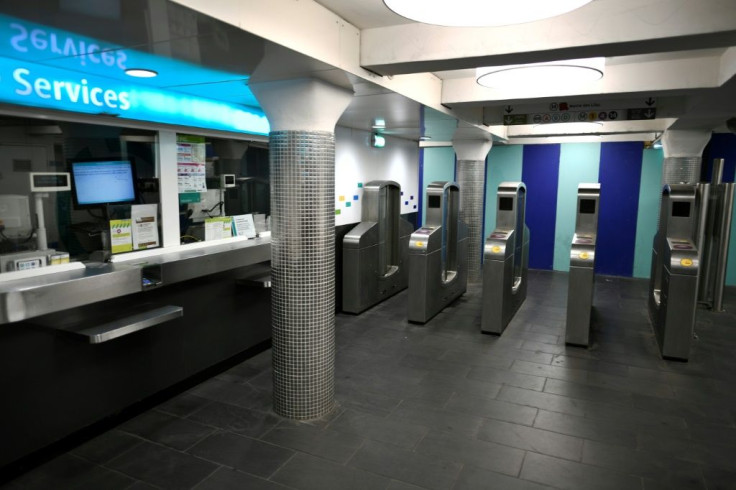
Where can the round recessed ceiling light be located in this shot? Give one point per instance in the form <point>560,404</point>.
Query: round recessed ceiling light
<point>141,73</point>
<point>547,74</point>
<point>481,13</point>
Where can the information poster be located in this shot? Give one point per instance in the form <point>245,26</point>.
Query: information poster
<point>218,228</point>
<point>190,160</point>
<point>121,238</point>
<point>244,225</point>
<point>144,218</point>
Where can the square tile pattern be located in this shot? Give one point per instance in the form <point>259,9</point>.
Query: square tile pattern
<point>440,406</point>
<point>471,177</point>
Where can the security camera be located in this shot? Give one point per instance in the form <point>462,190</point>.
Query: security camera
<point>731,124</point>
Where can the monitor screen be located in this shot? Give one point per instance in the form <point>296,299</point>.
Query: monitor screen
<point>103,182</point>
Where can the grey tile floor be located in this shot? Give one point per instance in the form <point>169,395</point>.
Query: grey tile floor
<point>440,406</point>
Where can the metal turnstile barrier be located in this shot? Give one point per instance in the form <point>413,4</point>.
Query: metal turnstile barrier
<point>673,287</point>
<point>438,271</point>
<point>582,266</point>
<point>505,260</point>
<point>375,252</point>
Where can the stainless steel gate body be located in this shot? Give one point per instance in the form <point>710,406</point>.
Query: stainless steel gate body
<point>505,260</point>
<point>582,266</point>
<point>438,272</point>
<point>375,252</point>
<point>673,284</point>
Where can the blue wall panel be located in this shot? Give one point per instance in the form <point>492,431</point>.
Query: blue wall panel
<point>540,173</point>
<point>579,164</point>
<point>620,172</point>
<point>722,145</point>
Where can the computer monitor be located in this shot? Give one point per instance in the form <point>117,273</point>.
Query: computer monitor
<point>103,181</point>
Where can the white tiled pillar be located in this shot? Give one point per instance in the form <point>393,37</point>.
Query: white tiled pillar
<point>302,114</point>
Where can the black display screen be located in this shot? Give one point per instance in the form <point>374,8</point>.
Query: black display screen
<point>587,206</point>
<point>506,204</point>
<point>681,209</point>
<point>434,202</point>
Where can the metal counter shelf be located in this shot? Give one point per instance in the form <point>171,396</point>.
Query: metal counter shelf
<point>25,298</point>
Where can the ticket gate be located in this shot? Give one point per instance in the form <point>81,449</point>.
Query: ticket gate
<point>582,266</point>
<point>505,260</point>
<point>375,252</point>
<point>438,272</point>
<point>673,287</point>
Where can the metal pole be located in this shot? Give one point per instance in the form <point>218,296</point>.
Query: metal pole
<point>722,252</point>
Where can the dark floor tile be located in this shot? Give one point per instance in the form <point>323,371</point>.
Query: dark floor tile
<point>162,467</point>
<point>440,388</point>
<point>466,450</point>
<point>713,434</point>
<point>183,405</point>
<point>229,479</point>
<point>531,439</point>
<point>585,428</point>
<point>719,479</point>
<point>327,444</point>
<point>364,401</point>
<point>107,446</point>
<point>307,472</point>
<point>583,391</point>
<point>242,395</point>
<point>73,473</point>
<point>242,453</point>
<point>167,429</point>
<point>139,485</point>
<point>243,421</point>
<point>554,349</point>
<point>492,375</point>
<point>435,365</point>
<point>549,371</point>
<point>566,474</point>
<point>430,415</point>
<point>400,485</point>
<point>474,478</point>
<point>714,455</point>
<point>396,432</point>
<point>546,401</point>
<point>493,409</point>
<point>671,473</point>
<point>407,466</point>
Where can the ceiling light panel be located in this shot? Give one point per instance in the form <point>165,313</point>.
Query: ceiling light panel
<point>551,74</point>
<point>481,13</point>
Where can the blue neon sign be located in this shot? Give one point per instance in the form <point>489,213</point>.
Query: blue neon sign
<point>54,69</point>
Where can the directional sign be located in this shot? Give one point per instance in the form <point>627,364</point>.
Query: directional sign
<point>590,111</point>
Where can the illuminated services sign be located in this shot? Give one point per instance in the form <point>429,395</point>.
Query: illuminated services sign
<point>53,69</point>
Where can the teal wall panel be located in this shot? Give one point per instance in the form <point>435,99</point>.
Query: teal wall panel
<point>504,165</point>
<point>646,223</point>
<point>439,164</point>
<point>579,163</point>
<point>731,271</point>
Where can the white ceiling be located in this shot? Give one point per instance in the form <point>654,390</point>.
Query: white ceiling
<point>681,54</point>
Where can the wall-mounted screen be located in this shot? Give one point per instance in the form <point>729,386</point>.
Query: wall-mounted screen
<point>103,182</point>
<point>587,206</point>
<point>434,201</point>
<point>681,209</point>
<point>506,204</point>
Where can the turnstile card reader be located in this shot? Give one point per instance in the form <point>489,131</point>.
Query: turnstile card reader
<point>375,252</point>
<point>505,260</point>
<point>673,286</point>
<point>438,271</point>
<point>582,266</point>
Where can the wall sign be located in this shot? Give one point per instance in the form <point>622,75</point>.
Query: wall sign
<point>54,69</point>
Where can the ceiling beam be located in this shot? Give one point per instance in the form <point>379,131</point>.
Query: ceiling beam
<point>602,28</point>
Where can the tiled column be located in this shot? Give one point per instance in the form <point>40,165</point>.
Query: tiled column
<point>682,156</point>
<point>471,177</point>
<point>302,114</point>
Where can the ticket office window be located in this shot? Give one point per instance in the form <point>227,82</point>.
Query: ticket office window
<point>73,230</point>
<point>232,179</point>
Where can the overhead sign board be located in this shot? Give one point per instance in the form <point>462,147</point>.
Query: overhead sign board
<point>54,69</point>
<point>563,112</point>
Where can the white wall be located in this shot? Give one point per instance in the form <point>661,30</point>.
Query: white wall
<point>357,162</point>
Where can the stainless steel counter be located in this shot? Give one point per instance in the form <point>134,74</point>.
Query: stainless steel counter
<point>22,299</point>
